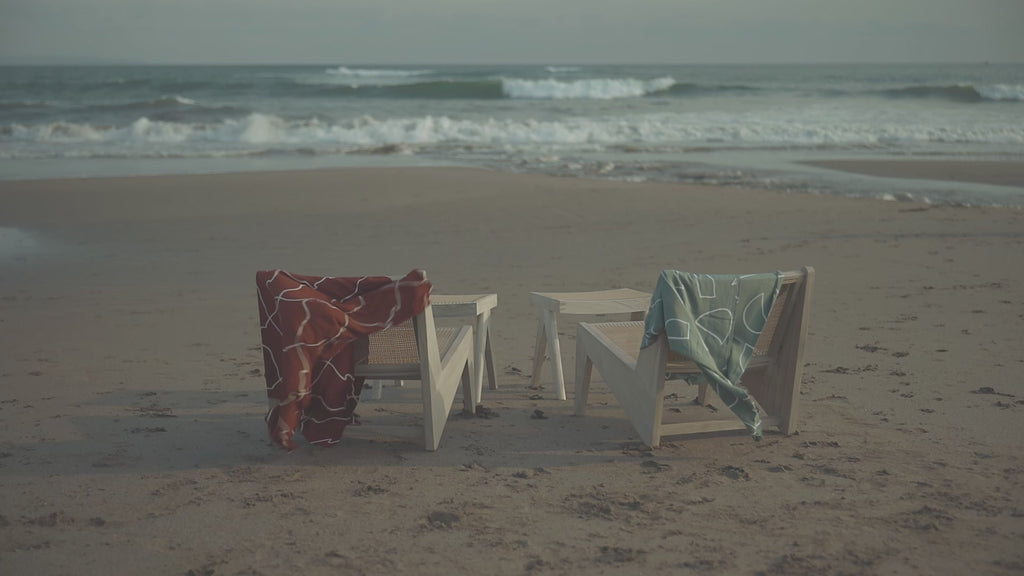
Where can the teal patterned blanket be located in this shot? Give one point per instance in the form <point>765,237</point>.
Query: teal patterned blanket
<point>715,320</point>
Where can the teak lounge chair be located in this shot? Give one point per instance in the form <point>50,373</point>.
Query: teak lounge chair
<point>441,358</point>
<point>637,376</point>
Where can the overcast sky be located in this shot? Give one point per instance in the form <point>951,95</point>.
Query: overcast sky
<point>510,31</point>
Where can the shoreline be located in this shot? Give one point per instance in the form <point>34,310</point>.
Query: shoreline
<point>132,395</point>
<point>995,172</point>
<point>993,182</point>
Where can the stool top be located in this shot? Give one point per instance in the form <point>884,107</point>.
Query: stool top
<point>619,300</point>
<point>453,305</point>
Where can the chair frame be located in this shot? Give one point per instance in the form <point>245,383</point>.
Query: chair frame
<point>638,381</point>
<point>440,377</point>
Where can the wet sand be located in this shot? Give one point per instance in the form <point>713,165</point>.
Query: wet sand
<point>999,173</point>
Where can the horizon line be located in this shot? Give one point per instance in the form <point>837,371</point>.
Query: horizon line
<point>101,62</point>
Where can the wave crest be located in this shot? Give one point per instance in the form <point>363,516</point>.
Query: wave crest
<point>1002,92</point>
<point>148,137</point>
<point>961,92</point>
<point>590,89</point>
<point>374,73</point>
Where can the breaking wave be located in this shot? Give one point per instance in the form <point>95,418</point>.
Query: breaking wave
<point>148,137</point>
<point>405,87</point>
<point>375,73</point>
<point>961,93</point>
<point>590,89</point>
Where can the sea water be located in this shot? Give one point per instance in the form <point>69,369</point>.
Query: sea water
<point>750,126</point>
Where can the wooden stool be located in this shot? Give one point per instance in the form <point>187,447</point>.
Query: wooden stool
<point>550,304</point>
<point>478,306</point>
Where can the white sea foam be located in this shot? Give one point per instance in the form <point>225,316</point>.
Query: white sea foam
<point>168,101</point>
<point>804,128</point>
<point>144,130</point>
<point>56,132</point>
<point>15,242</point>
<point>258,129</point>
<point>595,88</point>
<point>375,73</point>
<point>180,100</point>
<point>1005,92</point>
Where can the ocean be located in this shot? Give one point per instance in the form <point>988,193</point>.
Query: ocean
<point>748,126</point>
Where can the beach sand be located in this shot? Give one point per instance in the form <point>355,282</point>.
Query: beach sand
<point>132,438</point>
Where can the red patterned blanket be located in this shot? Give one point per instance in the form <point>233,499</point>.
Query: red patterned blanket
<point>307,324</point>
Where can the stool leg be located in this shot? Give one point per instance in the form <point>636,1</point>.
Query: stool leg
<point>584,369</point>
<point>489,357</point>
<point>539,350</point>
<point>555,351</point>
<point>479,349</point>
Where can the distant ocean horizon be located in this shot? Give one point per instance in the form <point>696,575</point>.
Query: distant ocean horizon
<point>737,125</point>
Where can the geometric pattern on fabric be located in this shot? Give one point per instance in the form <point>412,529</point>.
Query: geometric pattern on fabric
<point>715,320</point>
<point>307,327</point>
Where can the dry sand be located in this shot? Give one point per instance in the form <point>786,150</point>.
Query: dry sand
<point>131,393</point>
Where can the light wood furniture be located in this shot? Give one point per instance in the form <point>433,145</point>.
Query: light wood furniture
<point>637,376</point>
<point>549,305</point>
<point>440,358</point>
<point>477,306</point>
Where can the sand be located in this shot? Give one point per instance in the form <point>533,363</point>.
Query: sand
<point>132,398</point>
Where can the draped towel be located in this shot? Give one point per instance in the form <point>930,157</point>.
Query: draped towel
<point>715,320</point>
<point>307,324</point>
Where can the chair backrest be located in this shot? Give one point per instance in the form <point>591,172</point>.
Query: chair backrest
<point>774,373</point>
<point>787,320</point>
<point>637,376</point>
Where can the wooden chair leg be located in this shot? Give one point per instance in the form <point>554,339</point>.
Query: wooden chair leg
<point>480,350</point>
<point>555,352</point>
<point>539,350</point>
<point>431,433</point>
<point>584,370</point>
<point>656,417</point>
<point>468,387</point>
<point>489,359</point>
